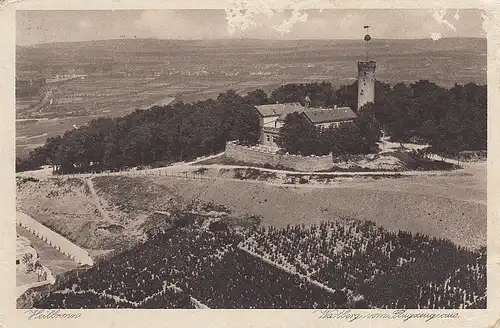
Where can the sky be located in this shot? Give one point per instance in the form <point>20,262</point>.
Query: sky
<point>44,26</point>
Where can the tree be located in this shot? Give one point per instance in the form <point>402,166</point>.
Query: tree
<point>298,136</point>
<point>449,119</point>
<point>347,139</point>
<point>369,128</point>
<point>347,95</point>
<point>257,97</point>
<point>246,125</point>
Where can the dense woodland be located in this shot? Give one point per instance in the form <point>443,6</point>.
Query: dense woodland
<point>450,120</point>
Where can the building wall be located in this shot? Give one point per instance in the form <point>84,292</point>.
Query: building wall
<point>270,121</point>
<point>328,124</point>
<point>366,83</point>
<point>266,122</point>
<point>260,157</point>
<point>269,139</point>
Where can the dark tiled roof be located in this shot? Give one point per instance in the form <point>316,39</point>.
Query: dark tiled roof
<point>338,114</point>
<point>279,109</point>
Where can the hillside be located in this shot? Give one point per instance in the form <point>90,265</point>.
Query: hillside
<point>447,61</point>
<point>67,207</point>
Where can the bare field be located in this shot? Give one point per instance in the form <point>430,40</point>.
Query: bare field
<point>452,207</point>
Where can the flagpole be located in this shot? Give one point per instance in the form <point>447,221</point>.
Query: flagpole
<point>367,38</point>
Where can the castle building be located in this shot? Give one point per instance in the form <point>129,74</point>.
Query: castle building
<point>272,118</point>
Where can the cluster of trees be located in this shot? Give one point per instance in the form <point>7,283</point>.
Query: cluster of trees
<point>171,133</point>
<point>321,94</point>
<point>449,120</point>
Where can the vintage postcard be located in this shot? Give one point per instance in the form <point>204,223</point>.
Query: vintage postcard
<point>173,161</point>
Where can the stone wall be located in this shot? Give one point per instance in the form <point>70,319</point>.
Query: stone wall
<point>262,157</point>
<point>55,240</point>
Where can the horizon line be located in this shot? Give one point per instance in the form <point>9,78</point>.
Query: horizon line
<point>249,39</point>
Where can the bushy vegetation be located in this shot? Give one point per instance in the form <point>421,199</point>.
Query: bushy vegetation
<point>390,270</point>
<point>330,265</point>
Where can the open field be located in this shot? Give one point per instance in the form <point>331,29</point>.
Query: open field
<point>451,206</point>
<point>144,72</point>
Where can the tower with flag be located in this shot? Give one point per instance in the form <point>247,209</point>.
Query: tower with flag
<point>366,75</point>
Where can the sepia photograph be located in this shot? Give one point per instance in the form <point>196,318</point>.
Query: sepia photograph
<point>312,159</point>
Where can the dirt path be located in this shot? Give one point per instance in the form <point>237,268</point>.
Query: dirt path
<point>97,201</point>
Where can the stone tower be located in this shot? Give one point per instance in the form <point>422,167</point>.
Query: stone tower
<point>366,76</point>
<point>366,82</point>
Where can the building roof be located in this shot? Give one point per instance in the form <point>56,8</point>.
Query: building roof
<point>271,129</point>
<point>338,114</point>
<point>279,109</point>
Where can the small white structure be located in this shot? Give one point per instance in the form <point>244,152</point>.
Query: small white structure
<point>24,250</point>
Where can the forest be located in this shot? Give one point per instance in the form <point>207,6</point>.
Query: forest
<point>449,120</point>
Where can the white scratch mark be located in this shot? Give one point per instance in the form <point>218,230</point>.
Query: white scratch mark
<point>243,13</point>
<point>438,16</point>
<point>287,25</point>
<point>435,36</point>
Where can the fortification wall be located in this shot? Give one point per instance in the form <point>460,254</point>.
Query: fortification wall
<point>54,239</point>
<point>262,157</point>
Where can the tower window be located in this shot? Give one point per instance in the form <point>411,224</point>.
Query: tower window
<point>364,73</point>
